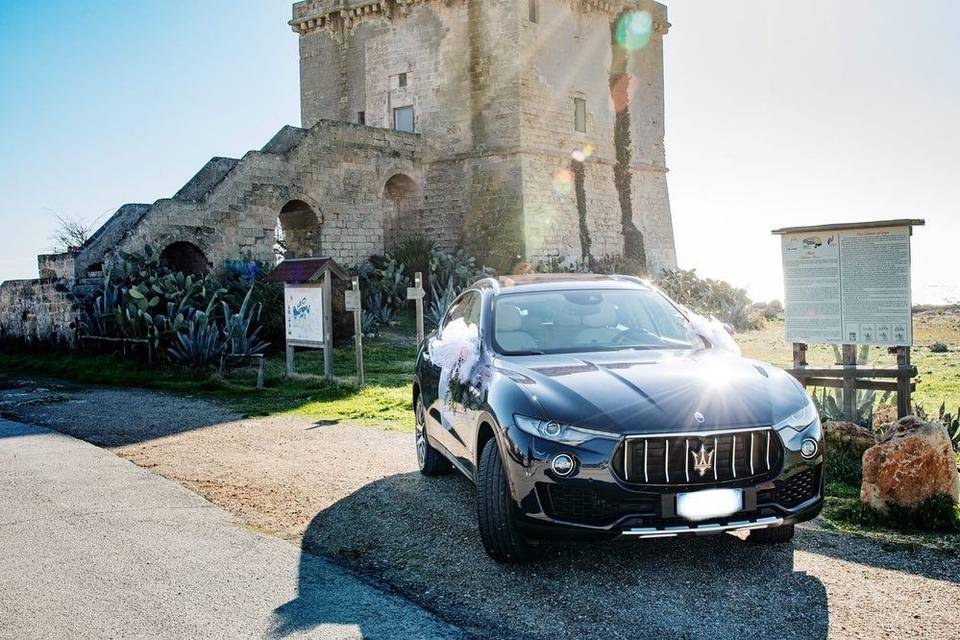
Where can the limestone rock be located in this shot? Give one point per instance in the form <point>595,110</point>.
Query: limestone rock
<point>849,437</point>
<point>913,462</point>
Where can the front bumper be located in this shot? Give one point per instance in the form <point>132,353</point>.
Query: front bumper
<point>594,502</point>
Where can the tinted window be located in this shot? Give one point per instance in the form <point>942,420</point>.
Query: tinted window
<point>467,307</point>
<point>588,320</point>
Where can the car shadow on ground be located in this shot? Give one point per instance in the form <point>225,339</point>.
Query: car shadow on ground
<point>419,537</point>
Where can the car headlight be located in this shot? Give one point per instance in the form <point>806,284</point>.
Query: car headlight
<point>801,419</point>
<point>557,432</point>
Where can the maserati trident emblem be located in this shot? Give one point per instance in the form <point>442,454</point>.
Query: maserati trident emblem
<point>698,417</point>
<point>702,460</point>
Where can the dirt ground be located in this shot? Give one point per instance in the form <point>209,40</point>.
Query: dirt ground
<point>353,494</point>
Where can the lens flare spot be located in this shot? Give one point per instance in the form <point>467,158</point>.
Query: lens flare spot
<point>588,150</point>
<point>563,182</point>
<point>634,30</point>
<point>578,155</point>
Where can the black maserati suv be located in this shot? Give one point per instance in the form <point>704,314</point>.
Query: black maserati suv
<point>604,413</point>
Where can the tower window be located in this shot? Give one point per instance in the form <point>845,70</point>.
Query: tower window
<point>403,119</point>
<point>361,117</point>
<point>402,80</point>
<point>534,9</point>
<point>580,115</point>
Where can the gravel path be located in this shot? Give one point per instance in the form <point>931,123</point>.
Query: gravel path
<point>352,494</point>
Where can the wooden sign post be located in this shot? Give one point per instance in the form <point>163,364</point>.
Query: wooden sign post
<point>417,294</point>
<point>353,303</point>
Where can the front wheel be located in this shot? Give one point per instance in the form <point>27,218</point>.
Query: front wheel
<point>430,461</point>
<point>496,513</point>
<point>772,535</point>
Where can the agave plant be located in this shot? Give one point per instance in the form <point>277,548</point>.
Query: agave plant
<point>369,325</point>
<point>950,421</point>
<point>383,313</point>
<point>202,343</point>
<point>241,334</point>
<point>442,298</point>
<point>100,314</point>
<point>829,403</point>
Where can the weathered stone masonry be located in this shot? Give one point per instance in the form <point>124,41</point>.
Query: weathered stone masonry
<point>490,93</point>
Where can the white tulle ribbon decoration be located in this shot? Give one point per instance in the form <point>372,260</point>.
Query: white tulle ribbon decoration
<point>714,331</point>
<point>461,360</point>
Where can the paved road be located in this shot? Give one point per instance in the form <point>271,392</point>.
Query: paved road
<point>92,546</point>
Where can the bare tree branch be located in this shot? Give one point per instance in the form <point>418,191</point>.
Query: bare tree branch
<point>72,233</point>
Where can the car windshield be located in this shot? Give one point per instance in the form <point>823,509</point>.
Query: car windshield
<point>579,321</point>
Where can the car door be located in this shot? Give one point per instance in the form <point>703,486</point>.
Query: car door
<point>461,428</point>
<point>439,414</point>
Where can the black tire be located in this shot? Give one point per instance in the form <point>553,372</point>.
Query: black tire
<point>430,461</point>
<point>496,513</point>
<point>772,535</point>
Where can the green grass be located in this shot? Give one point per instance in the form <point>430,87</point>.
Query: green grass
<point>384,401</point>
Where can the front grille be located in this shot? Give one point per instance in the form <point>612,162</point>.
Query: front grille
<point>580,504</point>
<point>700,459</point>
<point>798,488</point>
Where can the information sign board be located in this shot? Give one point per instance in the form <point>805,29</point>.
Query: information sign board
<point>304,313</point>
<point>848,285</point>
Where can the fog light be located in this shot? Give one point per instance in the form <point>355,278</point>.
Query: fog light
<point>809,448</point>
<point>563,465</point>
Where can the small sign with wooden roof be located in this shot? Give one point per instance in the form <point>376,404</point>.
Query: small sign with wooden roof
<point>307,294</point>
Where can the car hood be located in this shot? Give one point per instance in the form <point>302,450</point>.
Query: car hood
<point>656,391</point>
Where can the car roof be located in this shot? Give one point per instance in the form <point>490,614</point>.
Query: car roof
<point>554,281</point>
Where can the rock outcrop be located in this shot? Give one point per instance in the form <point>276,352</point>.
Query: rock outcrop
<point>914,461</point>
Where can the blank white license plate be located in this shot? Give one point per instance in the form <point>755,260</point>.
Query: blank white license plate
<point>709,503</point>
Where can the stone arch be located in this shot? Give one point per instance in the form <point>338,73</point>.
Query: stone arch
<point>185,257</point>
<point>297,232</point>
<point>402,208</point>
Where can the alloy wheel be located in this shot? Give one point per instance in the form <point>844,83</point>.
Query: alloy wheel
<point>421,435</point>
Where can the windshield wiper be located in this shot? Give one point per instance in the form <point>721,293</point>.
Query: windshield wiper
<point>524,353</point>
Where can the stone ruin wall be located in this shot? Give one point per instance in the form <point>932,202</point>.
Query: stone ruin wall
<point>38,312</point>
<point>338,169</point>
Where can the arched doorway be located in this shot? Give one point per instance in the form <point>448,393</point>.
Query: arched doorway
<point>297,232</point>
<point>184,257</point>
<point>403,207</point>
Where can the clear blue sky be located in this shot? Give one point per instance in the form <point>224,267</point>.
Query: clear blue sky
<point>778,113</point>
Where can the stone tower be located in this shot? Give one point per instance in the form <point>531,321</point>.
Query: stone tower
<point>542,120</point>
